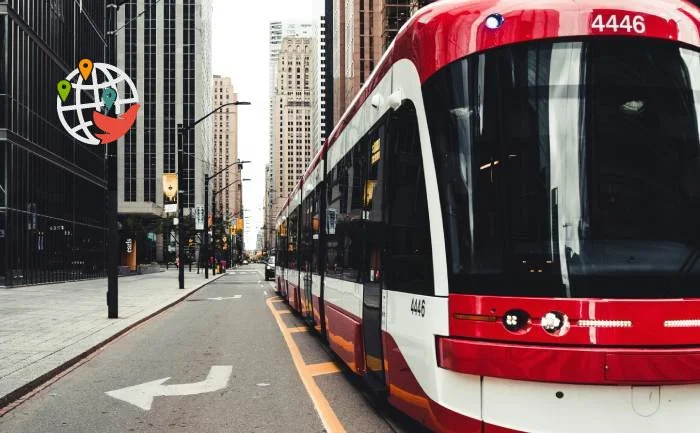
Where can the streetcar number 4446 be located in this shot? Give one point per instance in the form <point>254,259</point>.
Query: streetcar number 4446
<point>616,23</point>
<point>418,307</point>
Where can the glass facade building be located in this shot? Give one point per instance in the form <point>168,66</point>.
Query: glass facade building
<point>164,47</point>
<point>52,188</point>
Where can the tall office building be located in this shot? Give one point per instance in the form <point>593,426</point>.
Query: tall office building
<point>278,30</point>
<point>357,47</point>
<point>362,31</point>
<point>52,187</point>
<point>291,144</point>
<point>166,52</point>
<point>318,86</point>
<point>259,244</point>
<point>228,201</point>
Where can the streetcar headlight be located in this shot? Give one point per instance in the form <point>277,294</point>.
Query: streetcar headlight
<point>555,323</point>
<point>517,321</point>
<point>494,21</point>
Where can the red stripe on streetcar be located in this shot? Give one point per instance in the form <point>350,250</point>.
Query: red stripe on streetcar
<point>569,364</point>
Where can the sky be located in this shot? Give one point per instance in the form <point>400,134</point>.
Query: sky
<point>240,50</point>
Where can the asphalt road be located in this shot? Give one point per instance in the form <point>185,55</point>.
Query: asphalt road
<point>254,386</point>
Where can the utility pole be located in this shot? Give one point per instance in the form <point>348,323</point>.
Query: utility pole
<point>180,230</point>
<point>205,237</point>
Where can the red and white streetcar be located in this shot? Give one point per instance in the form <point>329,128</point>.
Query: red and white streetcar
<point>502,232</point>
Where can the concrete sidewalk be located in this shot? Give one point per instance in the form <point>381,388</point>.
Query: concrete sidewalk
<point>45,327</point>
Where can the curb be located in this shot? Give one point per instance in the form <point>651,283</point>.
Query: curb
<point>23,393</point>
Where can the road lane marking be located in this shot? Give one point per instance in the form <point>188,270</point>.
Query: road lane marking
<point>219,298</point>
<point>142,395</point>
<point>285,312</point>
<point>298,329</point>
<point>323,408</point>
<point>322,368</point>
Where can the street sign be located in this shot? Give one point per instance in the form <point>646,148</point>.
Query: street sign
<point>142,395</point>
<point>331,220</point>
<point>170,192</point>
<point>199,217</point>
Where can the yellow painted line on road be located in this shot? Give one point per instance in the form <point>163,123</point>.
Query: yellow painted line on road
<point>283,311</point>
<point>325,412</point>
<point>322,368</point>
<point>298,329</point>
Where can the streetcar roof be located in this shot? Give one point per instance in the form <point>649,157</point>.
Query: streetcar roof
<point>448,30</point>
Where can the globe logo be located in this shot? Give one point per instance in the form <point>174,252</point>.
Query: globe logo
<point>88,97</point>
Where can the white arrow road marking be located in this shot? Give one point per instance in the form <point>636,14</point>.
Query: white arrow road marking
<point>219,298</point>
<point>142,395</point>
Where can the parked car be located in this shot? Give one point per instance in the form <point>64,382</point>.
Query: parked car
<point>270,269</point>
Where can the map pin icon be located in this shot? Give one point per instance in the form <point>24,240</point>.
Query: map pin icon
<point>109,95</point>
<point>64,88</point>
<point>85,67</point>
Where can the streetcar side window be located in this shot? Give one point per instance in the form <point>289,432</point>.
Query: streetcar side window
<point>293,239</point>
<point>282,245</point>
<point>373,203</point>
<point>316,224</point>
<point>305,245</point>
<point>310,231</point>
<point>344,212</point>
<point>409,262</point>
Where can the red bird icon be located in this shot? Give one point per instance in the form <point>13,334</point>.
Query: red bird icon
<point>114,127</point>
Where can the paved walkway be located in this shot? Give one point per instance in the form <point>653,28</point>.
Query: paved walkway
<point>42,327</point>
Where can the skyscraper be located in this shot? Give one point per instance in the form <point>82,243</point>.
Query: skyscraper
<point>357,47</point>
<point>361,31</point>
<point>52,187</point>
<point>291,144</point>
<point>227,202</point>
<point>166,53</point>
<point>278,30</point>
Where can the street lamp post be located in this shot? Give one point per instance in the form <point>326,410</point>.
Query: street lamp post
<point>110,43</point>
<point>181,233</point>
<point>111,160</point>
<point>205,237</point>
<point>213,212</point>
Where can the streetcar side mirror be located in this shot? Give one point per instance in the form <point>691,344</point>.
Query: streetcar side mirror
<point>395,99</point>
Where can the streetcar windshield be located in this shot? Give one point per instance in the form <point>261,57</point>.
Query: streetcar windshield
<point>570,169</point>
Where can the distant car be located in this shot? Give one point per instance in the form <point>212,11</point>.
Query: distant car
<point>270,269</point>
<point>245,262</point>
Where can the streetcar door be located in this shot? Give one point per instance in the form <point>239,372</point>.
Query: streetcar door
<point>374,251</point>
